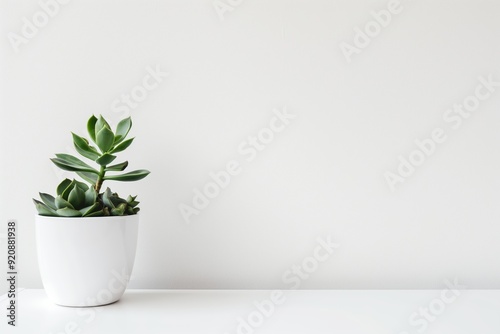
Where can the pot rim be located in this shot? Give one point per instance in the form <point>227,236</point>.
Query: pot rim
<point>41,217</point>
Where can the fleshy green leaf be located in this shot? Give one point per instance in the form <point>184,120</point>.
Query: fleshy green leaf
<point>106,159</point>
<point>49,200</point>
<point>61,203</point>
<point>98,213</point>
<point>91,127</point>
<point>106,199</point>
<point>67,212</point>
<point>66,166</point>
<point>90,209</point>
<point>122,146</point>
<point>89,177</point>
<point>62,186</point>
<point>105,211</point>
<point>77,197</point>
<point>117,200</point>
<point>81,185</point>
<point>70,167</point>
<point>72,164</point>
<point>119,210</point>
<point>131,201</point>
<point>66,191</point>
<point>90,196</point>
<point>43,210</point>
<point>83,147</point>
<point>118,167</point>
<point>99,125</point>
<point>105,139</point>
<point>131,176</point>
<point>122,129</point>
<point>134,203</point>
<point>72,159</point>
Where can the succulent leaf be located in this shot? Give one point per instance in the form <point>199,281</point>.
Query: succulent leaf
<point>67,212</point>
<point>105,139</point>
<point>89,177</point>
<point>61,203</point>
<point>122,129</point>
<point>82,146</point>
<point>98,213</point>
<point>89,210</point>
<point>130,176</point>
<point>90,196</point>
<point>77,197</point>
<point>65,193</point>
<point>43,210</point>
<point>48,200</point>
<point>62,186</point>
<point>117,200</point>
<point>105,159</point>
<point>118,167</point>
<point>106,199</point>
<point>122,146</point>
<point>71,167</point>
<point>99,125</point>
<point>91,127</point>
<point>105,211</point>
<point>70,159</point>
<point>119,210</point>
<point>81,185</point>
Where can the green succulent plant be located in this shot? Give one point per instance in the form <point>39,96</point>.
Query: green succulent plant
<point>78,199</point>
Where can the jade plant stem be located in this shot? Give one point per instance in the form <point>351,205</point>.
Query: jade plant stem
<point>100,179</point>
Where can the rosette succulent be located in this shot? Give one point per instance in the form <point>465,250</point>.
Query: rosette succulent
<point>75,198</point>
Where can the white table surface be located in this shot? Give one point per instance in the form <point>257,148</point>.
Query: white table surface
<point>217,311</point>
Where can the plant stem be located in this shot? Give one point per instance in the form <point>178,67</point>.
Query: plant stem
<point>100,179</point>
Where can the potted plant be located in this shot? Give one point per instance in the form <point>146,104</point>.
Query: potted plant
<point>86,237</point>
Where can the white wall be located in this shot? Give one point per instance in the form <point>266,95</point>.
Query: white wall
<point>322,175</point>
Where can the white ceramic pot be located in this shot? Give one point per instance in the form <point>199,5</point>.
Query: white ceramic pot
<point>86,261</point>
